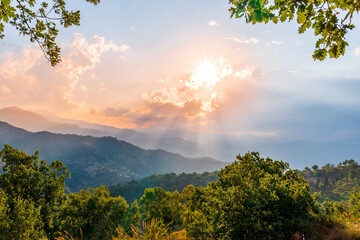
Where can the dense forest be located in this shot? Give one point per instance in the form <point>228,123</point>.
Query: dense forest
<point>170,182</point>
<point>251,198</point>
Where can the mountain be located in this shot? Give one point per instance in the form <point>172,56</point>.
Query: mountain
<point>39,122</point>
<point>25,119</point>
<point>95,161</point>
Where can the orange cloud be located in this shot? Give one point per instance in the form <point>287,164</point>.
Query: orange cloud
<point>16,79</point>
<point>83,56</point>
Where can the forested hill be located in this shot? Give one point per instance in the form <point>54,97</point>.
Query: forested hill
<point>334,183</point>
<point>95,161</point>
<point>169,182</point>
<point>331,183</point>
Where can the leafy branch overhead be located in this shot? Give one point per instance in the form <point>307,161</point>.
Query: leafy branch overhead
<point>330,19</point>
<point>38,21</point>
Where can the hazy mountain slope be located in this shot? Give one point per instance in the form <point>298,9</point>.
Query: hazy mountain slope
<point>95,161</point>
<point>35,122</point>
<point>25,119</point>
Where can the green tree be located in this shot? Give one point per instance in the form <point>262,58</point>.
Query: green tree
<point>156,203</point>
<point>315,167</point>
<point>330,20</point>
<point>326,182</point>
<point>255,198</point>
<point>355,203</point>
<point>37,20</point>
<point>32,192</point>
<point>22,221</point>
<point>93,214</point>
<point>132,217</point>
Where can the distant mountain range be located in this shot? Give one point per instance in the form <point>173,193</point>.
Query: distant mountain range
<point>225,147</point>
<point>95,161</point>
<point>39,122</point>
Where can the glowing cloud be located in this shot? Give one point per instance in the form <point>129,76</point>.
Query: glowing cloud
<point>201,88</point>
<point>206,74</point>
<point>83,56</point>
<point>244,41</point>
<point>357,52</point>
<point>214,24</point>
<point>274,43</point>
<point>15,72</point>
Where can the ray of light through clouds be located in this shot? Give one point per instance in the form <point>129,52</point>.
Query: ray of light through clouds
<point>202,92</point>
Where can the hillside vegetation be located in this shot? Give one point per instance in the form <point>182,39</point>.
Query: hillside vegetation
<point>95,161</point>
<point>330,183</point>
<point>169,182</point>
<point>252,198</point>
<point>334,183</point>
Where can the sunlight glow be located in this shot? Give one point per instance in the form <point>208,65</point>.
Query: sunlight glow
<point>206,74</point>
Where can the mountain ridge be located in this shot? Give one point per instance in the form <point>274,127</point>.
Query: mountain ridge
<point>37,122</point>
<point>97,161</point>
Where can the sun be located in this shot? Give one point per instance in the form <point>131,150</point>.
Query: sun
<point>206,75</point>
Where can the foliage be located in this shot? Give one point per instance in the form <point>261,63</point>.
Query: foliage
<point>330,20</point>
<point>336,221</point>
<point>355,204</point>
<point>38,21</point>
<point>32,193</point>
<point>95,161</point>
<point>255,198</point>
<point>163,205</point>
<point>93,213</point>
<point>334,183</point>
<point>169,182</point>
<point>153,230</point>
<point>132,217</point>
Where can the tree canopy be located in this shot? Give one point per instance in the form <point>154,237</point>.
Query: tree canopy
<point>254,198</point>
<point>31,196</point>
<point>37,20</point>
<point>331,20</point>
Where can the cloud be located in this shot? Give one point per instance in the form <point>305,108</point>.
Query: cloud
<point>115,112</point>
<point>84,55</point>
<point>244,41</point>
<point>161,114</point>
<point>356,52</point>
<point>214,24</point>
<point>274,43</point>
<point>16,79</point>
<point>27,79</point>
<point>190,99</point>
<point>199,87</point>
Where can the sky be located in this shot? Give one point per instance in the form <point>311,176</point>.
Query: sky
<point>187,67</point>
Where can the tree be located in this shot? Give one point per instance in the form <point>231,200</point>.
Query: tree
<point>38,21</point>
<point>331,20</point>
<point>93,214</point>
<point>132,217</point>
<point>32,193</point>
<point>156,203</point>
<point>315,167</point>
<point>355,203</point>
<point>326,182</point>
<point>255,198</point>
<point>307,169</point>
